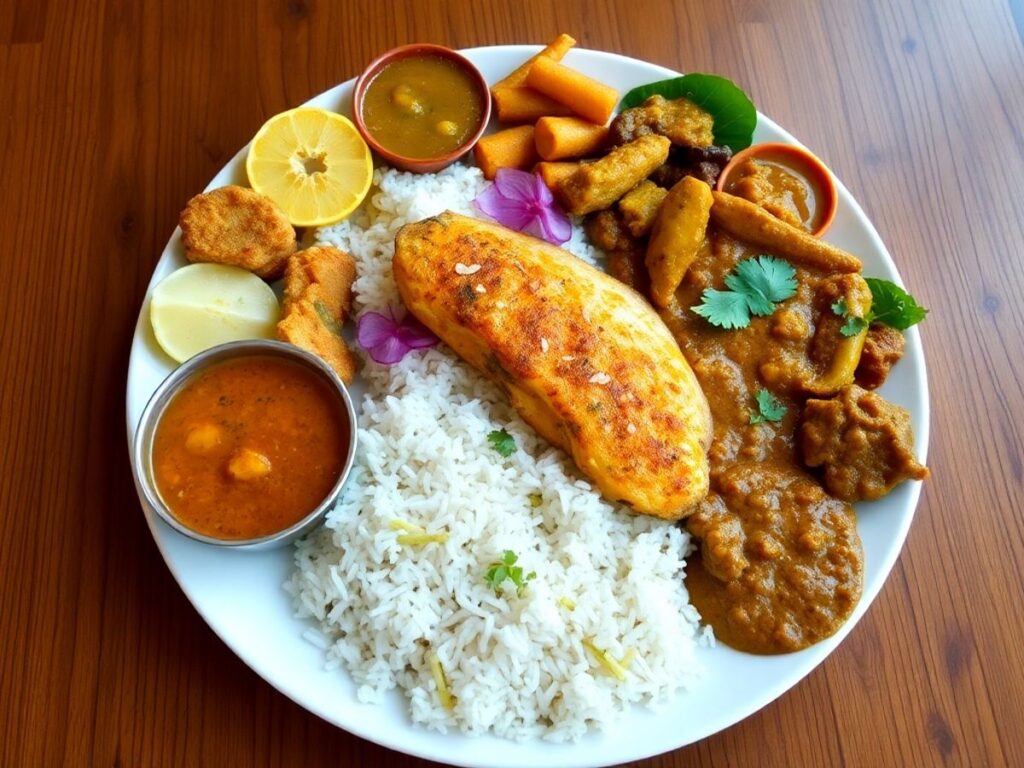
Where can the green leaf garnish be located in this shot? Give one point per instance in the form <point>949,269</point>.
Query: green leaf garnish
<point>892,306</point>
<point>769,407</point>
<point>502,442</point>
<point>733,112</point>
<point>506,568</point>
<point>853,324</point>
<point>724,309</point>
<point>756,286</point>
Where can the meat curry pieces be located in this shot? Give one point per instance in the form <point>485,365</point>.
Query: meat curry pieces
<point>780,563</point>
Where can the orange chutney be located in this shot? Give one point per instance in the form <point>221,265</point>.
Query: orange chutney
<point>249,447</point>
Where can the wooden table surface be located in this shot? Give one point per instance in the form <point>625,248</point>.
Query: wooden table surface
<point>115,113</point>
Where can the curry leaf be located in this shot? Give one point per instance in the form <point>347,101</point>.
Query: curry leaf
<point>733,112</point>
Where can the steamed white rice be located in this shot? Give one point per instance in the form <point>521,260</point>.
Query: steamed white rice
<point>516,665</point>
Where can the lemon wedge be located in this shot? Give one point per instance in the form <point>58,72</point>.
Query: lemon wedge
<point>312,163</point>
<point>203,305</point>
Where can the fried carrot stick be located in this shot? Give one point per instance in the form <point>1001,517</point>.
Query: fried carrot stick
<point>587,97</point>
<point>520,104</point>
<point>560,138</point>
<point>554,50</point>
<point>511,148</point>
<point>751,223</point>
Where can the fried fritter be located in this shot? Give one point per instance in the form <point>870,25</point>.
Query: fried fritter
<point>239,227</point>
<point>317,302</point>
<point>682,121</point>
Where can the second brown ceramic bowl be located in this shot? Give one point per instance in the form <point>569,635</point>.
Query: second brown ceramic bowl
<point>801,161</point>
<point>416,164</point>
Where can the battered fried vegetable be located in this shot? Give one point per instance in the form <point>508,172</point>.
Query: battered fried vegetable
<point>317,303</point>
<point>238,227</point>
<point>749,222</point>
<point>583,359</point>
<point>863,442</point>
<point>639,207</point>
<point>677,236</point>
<point>599,184</point>
<point>682,121</point>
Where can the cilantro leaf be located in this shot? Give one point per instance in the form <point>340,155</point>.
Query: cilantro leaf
<point>506,569</point>
<point>725,309</point>
<point>854,325</point>
<point>765,281</point>
<point>892,306</point>
<point>769,408</point>
<point>755,287</point>
<point>502,442</point>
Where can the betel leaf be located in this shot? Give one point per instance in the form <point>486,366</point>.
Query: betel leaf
<point>733,112</point>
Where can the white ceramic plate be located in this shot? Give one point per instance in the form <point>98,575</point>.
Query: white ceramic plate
<point>240,596</point>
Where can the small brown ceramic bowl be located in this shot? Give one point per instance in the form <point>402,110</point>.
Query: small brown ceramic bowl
<point>801,162</point>
<point>420,164</point>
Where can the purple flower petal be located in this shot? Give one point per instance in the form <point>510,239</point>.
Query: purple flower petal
<point>389,352</point>
<point>515,185</point>
<point>416,335</point>
<point>373,329</point>
<point>522,201</point>
<point>387,339</point>
<point>509,213</point>
<point>556,225</point>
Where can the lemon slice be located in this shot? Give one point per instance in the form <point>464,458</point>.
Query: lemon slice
<point>203,305</point>
<point>312,163</point>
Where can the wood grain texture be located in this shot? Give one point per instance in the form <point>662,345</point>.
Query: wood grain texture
<point>114,113</point>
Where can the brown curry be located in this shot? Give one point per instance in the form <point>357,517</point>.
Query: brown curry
<point>780,563</point>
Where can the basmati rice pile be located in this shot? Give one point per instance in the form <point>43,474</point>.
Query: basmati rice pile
<point>604,623</point>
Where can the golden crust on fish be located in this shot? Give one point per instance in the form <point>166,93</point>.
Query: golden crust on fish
<point>582,357</point>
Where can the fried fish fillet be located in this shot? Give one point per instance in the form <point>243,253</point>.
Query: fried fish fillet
<point>583,358</point>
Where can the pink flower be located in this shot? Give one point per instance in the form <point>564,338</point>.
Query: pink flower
<point>387,338</point>
<point>522,201</point>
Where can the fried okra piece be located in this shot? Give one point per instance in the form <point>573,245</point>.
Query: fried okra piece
<point>599,184</point>
<point>317,302</point>
<point>680,120</point>
<point>638,208</point>
<point>863,442</point>
<point>677,236</point>
<point>239,227</point>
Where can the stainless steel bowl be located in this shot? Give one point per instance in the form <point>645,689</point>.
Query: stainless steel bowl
<point>142,451</point>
